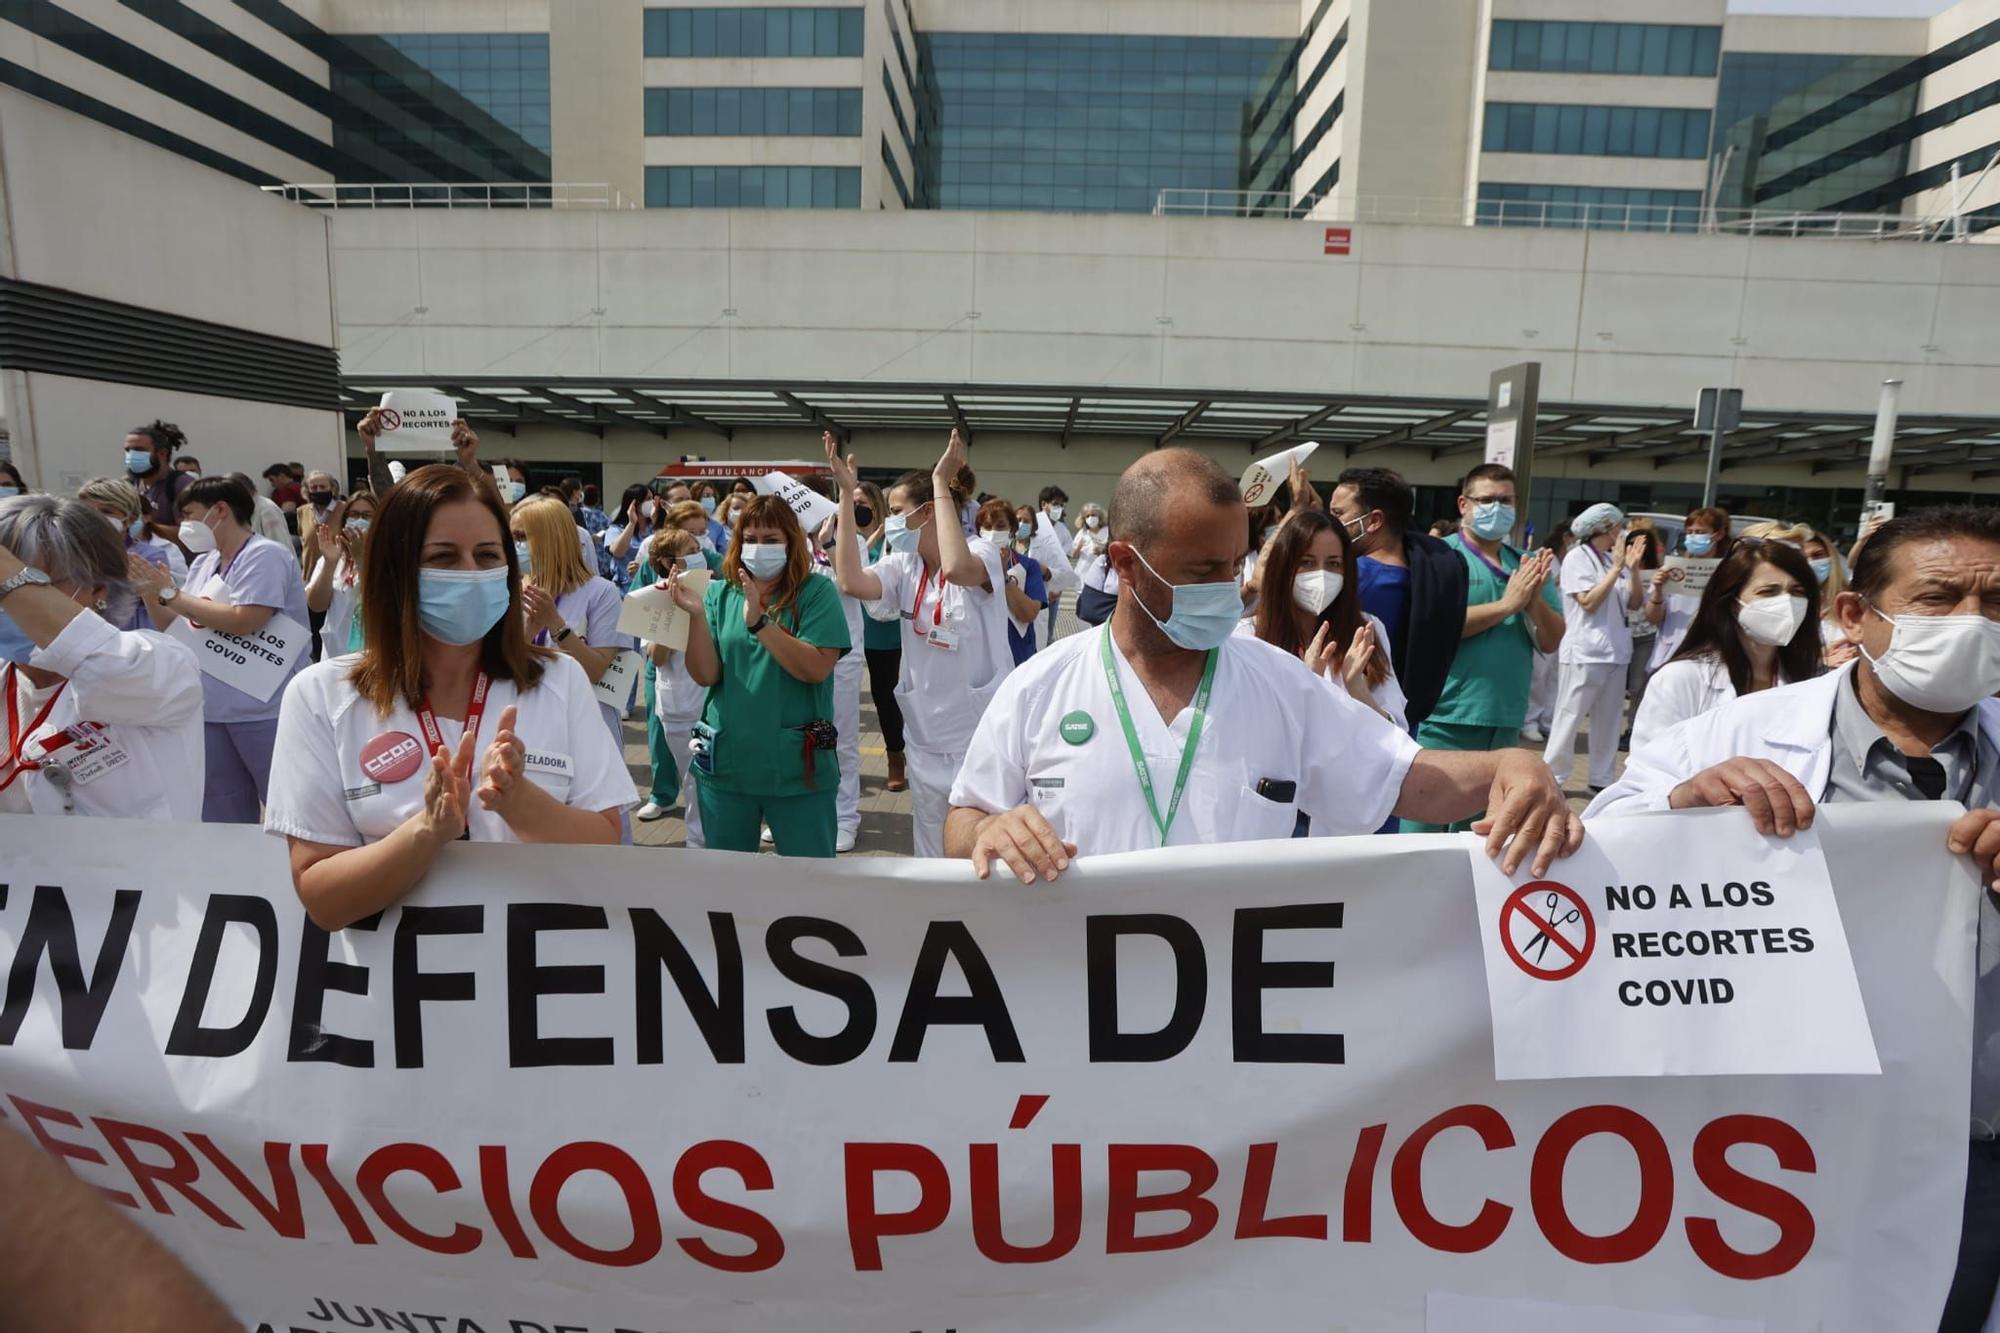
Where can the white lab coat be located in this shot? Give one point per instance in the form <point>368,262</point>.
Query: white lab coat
<point>145,689</point>
<point>1678,691</point>
<point>1792,726</point>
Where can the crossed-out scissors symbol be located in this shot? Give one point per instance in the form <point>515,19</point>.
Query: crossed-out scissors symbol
<point>1546,936</point>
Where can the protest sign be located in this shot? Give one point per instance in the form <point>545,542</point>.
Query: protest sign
<point>1687,575</point>
<point>1660,950</point>
<point>552,1089</point>
<point>1047,547</point>
<point>649,614</point>
<point>620,678</point>
<point>812,508</point>
<point>256,663</point>
<point>412,421</point>
<point>1263,477</point>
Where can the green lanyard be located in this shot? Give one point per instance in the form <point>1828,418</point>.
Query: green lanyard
<point>1139,765</point>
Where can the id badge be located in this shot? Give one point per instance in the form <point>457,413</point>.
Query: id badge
<point>87,751</point>
<point>941,637</point>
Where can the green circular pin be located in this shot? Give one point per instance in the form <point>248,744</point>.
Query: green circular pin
<point>1077,727</point>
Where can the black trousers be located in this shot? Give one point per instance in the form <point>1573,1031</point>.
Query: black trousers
<point>1972,1285</point>
<point>884,665</point>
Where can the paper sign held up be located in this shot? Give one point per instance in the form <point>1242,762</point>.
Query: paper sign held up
<point>1266,475</point>
<point>415,422</point>
<point>811,507</point>
<point>615,686</point>
<point>650,614</point>
<point>1694,574</point>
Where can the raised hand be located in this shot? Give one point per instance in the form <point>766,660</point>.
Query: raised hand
<point>500,780</point>
<point>684,596</point>
<point>147,579</point>
<point>1303,494</point>
<point>753,601</point>
<point>1354,665</point>
<point>846,471</point>
<point>369,427</point>
<point>953,458</point>
<point>1525,583</point>
<point>330,531</point>
<point>539,609</point>
<point>464,442</point>
<point>1322,654</point>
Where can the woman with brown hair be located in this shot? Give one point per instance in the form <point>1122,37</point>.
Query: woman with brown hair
<point>334,590</point>
<point>764,641</point>
<point>1312,610</point>
<point>1757,627</point>
<point>376,753</point>
<point>674,700</point>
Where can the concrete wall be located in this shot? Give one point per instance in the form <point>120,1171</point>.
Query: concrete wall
<point>87,209</point>
<point>1188,303</point>
<point>597,95</point>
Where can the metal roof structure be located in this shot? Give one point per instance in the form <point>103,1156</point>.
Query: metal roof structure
<point>1257,419</point>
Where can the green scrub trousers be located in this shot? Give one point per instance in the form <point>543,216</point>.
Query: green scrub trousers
<point>800,825</point>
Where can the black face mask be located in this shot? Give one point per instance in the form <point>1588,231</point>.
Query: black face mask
<point>321,499</point>
<point>864,517</point>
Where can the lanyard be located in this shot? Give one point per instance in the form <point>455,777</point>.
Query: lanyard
<point>1164,823</point>
<point>1484,558</point>
<point>475,708</point>
<point>917,607</point>
<point>15,766</point>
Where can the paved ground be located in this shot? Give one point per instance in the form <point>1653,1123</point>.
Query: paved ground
<point>885,816</point>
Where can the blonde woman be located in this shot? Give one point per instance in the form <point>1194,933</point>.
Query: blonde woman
<point>568,606</point>
<point>334,590</point>
<point>125,509</point>
<point>674,699</point>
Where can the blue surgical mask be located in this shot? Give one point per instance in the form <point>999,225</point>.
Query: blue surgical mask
<point>1699,543</point>
<point>136,529</point>
<point>1204,614</point>
<point>1491,520</point>
<point>459,606</point>
<point>898,535</point>
<point>515,490</point>
<point>15,645</point>
<point>138,462</point>
<point>356,525</point>
<point>524,556</point>
<point>764,560</point>
<point>708,505</point>
<point>1821,567</point>
<point>8,491</point>
<point>1023,531</point>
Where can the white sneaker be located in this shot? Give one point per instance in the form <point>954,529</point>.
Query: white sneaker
<point>650,812</point>
<point>844,840</point>
<point>1535,734</point>
<point>768,839</point>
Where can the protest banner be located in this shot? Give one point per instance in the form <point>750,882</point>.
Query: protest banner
<point>415,421</point>
<point>812,508</point>
<point>1047,547</point>
<point>1212,1088</point>
<point>256,663</point>
<point>621,677</point>
<point>1689,575</point>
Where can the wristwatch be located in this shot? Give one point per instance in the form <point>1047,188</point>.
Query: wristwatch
<point>757,628</point>
<point>563,634</point>
<point>167,594</point>
<point>29,574</point>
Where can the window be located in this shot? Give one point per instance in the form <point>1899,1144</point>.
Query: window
<point>756,31</point>
<point>753,187</point>
<point>1554,47</point>
<point>1596,208</point>
<point>1595,131</point>
<point>753,111</point>
<point>443,106</point>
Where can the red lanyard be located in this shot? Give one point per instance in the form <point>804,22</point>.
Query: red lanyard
<point>475,708</point>
<point>917,608</point>
<point>15,766</point>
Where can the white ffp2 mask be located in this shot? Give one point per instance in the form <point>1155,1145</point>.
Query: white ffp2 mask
<point>1941,664</point>
<point>1771,621</point>
<point>1315,592</point>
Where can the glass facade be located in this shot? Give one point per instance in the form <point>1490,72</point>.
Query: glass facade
<point>1598,208</point>
<point>753,187</point>
<point>1784,151</point>
<point>1279,151</point>
<point>1552,47</point>
<point>458,107</point>
<point>1595,131</point>
<point>1093,122</point>
<point>757,31</point>
<point>506,75</point>
<point>755,111</point>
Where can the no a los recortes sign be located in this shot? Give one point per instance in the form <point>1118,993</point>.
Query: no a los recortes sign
<point>1650,952</point>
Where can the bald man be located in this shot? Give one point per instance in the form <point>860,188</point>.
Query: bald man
<point>1164,727</point>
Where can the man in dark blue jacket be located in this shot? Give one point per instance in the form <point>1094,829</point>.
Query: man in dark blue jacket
<point>1413,583</point>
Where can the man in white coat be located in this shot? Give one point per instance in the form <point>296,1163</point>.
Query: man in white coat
<point>1912,719</point>
<point>1163,727</point>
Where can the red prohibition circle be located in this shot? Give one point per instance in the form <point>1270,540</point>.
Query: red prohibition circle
<point>390,418</point>
<point>1518,904</point>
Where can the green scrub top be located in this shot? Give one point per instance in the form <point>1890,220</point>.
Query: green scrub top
<point>1488,685</point>
<point>757,708</point>
<point>880,635</point>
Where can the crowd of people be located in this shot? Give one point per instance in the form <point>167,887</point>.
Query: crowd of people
<point>438,655</point>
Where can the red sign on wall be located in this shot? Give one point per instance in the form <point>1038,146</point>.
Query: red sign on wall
<point>1339,240</point>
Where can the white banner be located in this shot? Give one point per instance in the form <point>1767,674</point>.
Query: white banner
<point>620,678</point>
<point>1213,1088</point>
<point>649,614</point>
<point>414,421</point>
<point>1046,546</point>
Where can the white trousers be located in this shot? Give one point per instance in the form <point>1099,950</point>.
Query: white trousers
<point>678,741</point>
<point>931,773</point>
<point>1542,691</point>
<point>1594,690</point>
<point>847,680</point>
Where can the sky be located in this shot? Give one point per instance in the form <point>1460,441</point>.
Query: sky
<point>1866,8</point>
